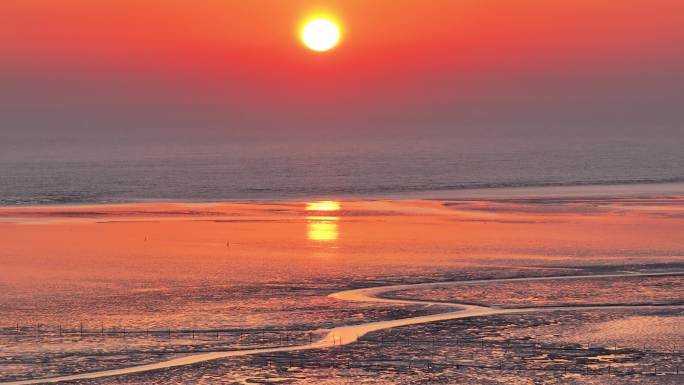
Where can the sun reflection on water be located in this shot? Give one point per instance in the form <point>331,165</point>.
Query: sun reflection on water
<point>323,206</point>
<point>323,228</point>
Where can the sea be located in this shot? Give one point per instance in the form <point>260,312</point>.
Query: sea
<point>61,172</point>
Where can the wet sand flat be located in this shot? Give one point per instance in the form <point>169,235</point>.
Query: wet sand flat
<point>257,271</point>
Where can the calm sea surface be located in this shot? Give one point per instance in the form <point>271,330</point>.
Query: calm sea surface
<point>63,172</point>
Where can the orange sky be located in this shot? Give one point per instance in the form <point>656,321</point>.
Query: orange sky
<point>242,58</point>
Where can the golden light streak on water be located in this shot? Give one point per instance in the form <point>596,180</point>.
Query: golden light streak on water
<point>323,206</point>
<point>322,229</point>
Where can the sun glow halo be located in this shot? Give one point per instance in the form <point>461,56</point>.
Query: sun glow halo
<point>321,34</point>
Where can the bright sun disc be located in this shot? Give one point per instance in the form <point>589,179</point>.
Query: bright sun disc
<point>321,35</point>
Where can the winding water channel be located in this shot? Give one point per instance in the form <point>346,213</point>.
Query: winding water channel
<point>344,335</point>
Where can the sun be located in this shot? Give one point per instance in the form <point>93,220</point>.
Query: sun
<point>321,35</point>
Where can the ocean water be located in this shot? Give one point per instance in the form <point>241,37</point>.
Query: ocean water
<point>65,172</point>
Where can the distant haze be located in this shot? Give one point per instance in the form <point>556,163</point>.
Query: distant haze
<point>149,70</point>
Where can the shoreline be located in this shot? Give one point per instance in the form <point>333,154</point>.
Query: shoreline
<point>594,191</point>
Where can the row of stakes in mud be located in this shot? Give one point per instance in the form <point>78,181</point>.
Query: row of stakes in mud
<point>81,331</point>
<point>284,337</point>
<point>270,335</point>
<point>264,334</point>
